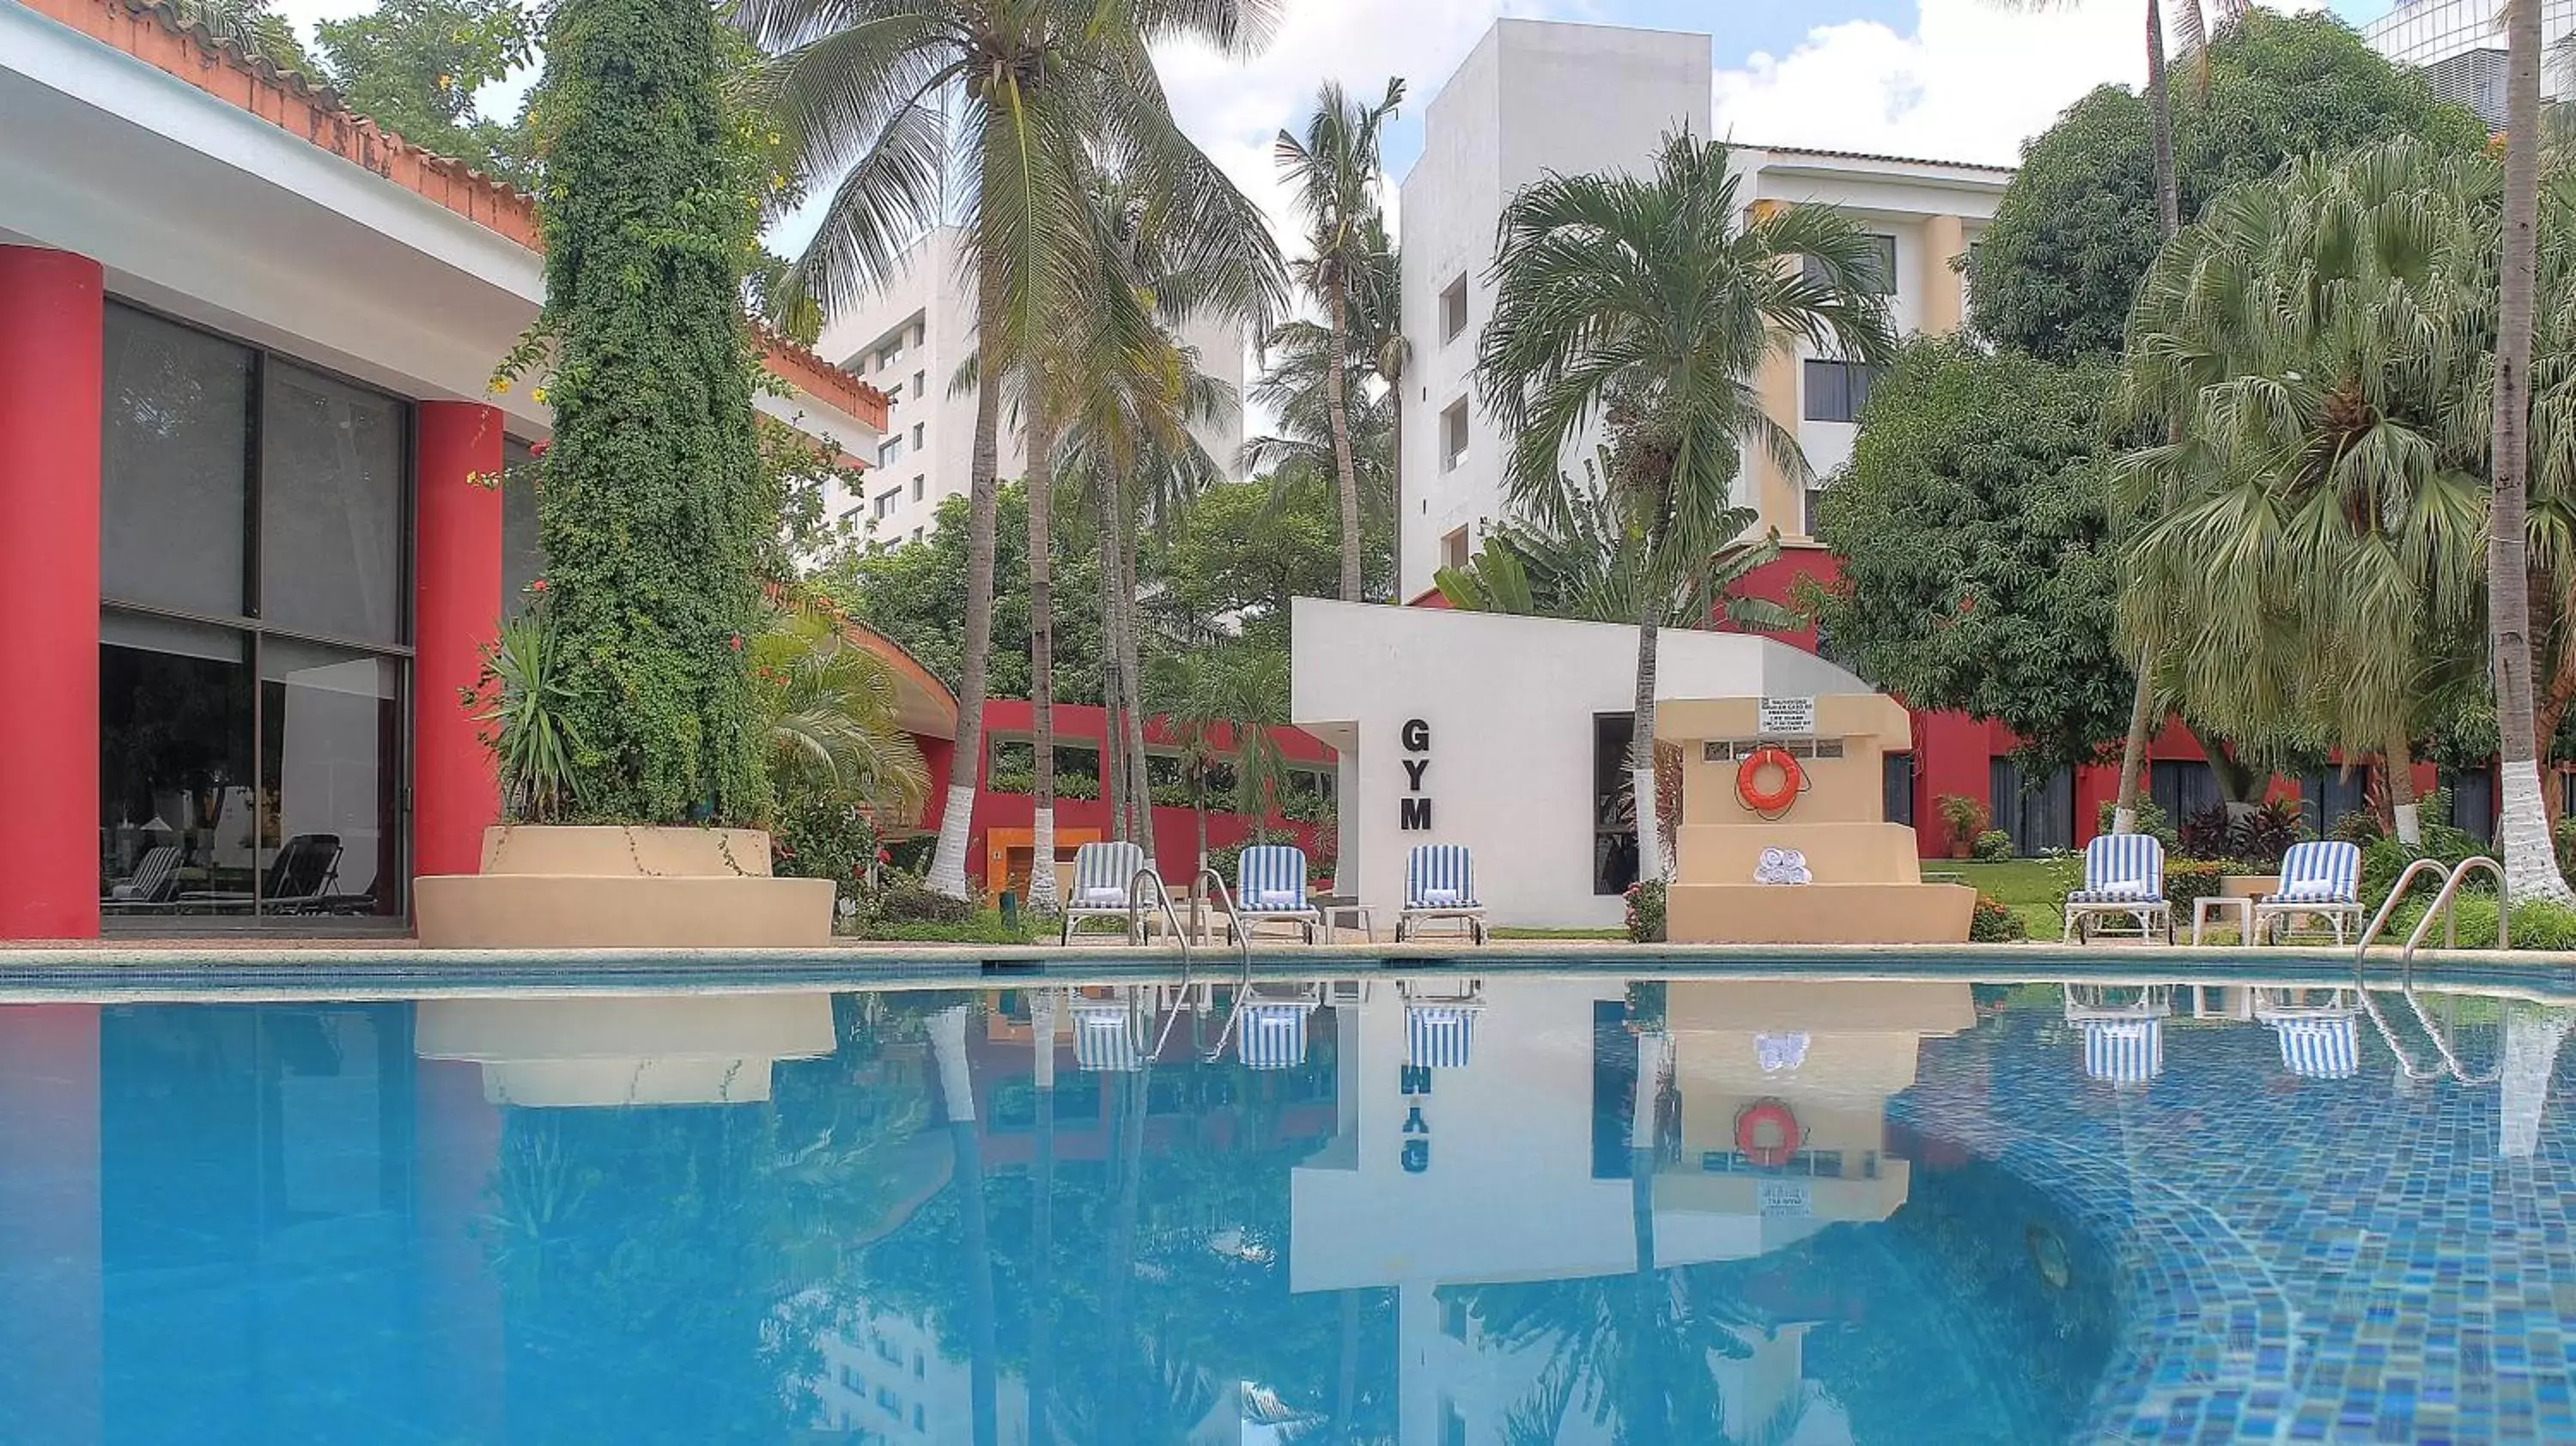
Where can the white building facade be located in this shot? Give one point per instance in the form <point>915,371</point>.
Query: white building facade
<point>2460,47</point>
<point>1500,123</point>
<point>909,339</point>
<point>1509,735</point>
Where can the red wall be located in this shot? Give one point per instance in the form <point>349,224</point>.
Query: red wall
<point>1081,725</point>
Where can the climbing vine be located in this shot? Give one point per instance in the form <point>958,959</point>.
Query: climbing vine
<point>651,512</point>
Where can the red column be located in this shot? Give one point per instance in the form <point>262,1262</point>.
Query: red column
<point>456,610</point>
<point>51,370</point>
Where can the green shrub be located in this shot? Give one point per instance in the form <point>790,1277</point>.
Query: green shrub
<point>2360,826</point>
<point>906,900</point>
<point>1962,817</point>
<point>2565,837</point>
<point>1646,912</point>
<point>1994,846</point>
<point>1995,922</point>
<point>981,926</point>
<point>1025,780</point>
<point>812,838</point>
<point>2538,924</point>
<point>2151,820</point>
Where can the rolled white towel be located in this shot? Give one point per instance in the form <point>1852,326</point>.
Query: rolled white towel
<point>1276,898</point>
<point>1441,896</point>
<point>1104,897</point>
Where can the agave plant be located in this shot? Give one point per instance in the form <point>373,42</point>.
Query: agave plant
<point>520,697</point>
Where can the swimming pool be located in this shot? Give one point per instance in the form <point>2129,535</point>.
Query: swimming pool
<point>1426,1208</point>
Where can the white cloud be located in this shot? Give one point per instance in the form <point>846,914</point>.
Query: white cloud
<point>1969,84</point>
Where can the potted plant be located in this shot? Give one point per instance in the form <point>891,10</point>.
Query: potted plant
<point>1962,819</point>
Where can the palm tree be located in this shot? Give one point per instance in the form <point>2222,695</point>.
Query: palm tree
<point>957,1089</point>
<point>2193,23</point>
<point>1218,704</point>
<point>828,710</point>
<point>1015,102</point>
<point>1334,169</point>
<point>251,27</point>
<point>2530,859</point>
<point>1642,305</point>
<point>2311,542</point>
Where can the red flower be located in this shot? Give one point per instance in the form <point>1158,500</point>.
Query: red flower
<point>538,586</point>
<point>734,642</point>
<point>883,857</point>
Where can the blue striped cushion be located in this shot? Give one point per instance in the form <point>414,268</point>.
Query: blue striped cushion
<point>2124,1051</point>
<point>2107,896</point>
<point>1273,1036</point>
<point>2123,866</point>
<point>2323,872</point>
<point>1271,878</point>
<point>1102,873</point>
<point>1438,1036</point>
<point>2326,1047</point>
<point>1439,876</point>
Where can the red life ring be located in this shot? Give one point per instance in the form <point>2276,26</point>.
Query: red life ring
<point>1774,801</point>
<point>1767,1133</point>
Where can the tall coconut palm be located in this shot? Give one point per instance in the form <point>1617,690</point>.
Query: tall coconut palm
<point>1644,306</point>
<point>1333,170</point>
<point>2311,544</point>
<point>2530,859</point>
<point>2192,22</point>
<point>947,1030</point>
<point>989,114</point>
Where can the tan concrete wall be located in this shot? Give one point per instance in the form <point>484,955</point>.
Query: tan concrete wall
<point>1944,239</point>
<point>1818,913</point>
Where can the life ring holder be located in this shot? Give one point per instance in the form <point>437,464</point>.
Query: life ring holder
<point>1768,1154</point>
<point>1769,802</point>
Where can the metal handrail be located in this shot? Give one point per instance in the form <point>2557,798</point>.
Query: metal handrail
<point>2442,906</point>
<point>1233,922</point>
<point>1162,896</point>
<point>2379,921</point>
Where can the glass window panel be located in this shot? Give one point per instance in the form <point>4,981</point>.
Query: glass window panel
<point>175,440</point>
<point>523,558</point>
<point>174,762</point>
<point>331,504</point>
<point>329,729</point>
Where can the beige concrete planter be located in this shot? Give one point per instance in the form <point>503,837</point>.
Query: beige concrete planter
<point>548,887</point>
<point>626,1050</point>
<point>2248,886</point>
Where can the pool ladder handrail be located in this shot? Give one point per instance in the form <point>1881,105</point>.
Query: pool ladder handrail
<point>2442,908</point>
<point>1242,940</point>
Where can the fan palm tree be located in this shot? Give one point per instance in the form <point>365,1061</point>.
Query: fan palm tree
<point>1218,704</point>
<point>2530,859</point>
<point>991,114</point>
<point>1644,306</point>
<point>2309,546</point>
<point>828,711</point>
<point>1333,172</point>
<point>2192,22</point>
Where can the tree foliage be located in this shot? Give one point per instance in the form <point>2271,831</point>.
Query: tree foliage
<point>2076,229</point>
<point>1977,573</point>
<point>916,595</point>
<point>1242,549</point>
<point>650,511</point>
<point>413,66</point>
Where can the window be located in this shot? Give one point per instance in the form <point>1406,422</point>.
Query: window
<point>917,428</point>
<point>1882,266</point>
<point>1614,804</point>
<point>1453,310</point>
<point>890,354</point>
<point>919,482</point>
<point>1453,548</point>
<point>2473,803</point>
<point>889,451</point>
<point>919,1423</point>
<point>1453,1315</point>
<point>916,534</point>
<point>1896,788</point>
<point>1815,500</point>
<point>886,501</point>
<point>2181,787</point>
<point>1453,1427</point>
<point>2329,794</point>
<point>1836,391</point>
<point>256,742</point>
<point>2038,813</point>
<point>920,384</point>
<point>918,332</point>
<point>1453,435</point>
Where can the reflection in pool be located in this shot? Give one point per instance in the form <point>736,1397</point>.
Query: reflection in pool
<point>1431,1209</point>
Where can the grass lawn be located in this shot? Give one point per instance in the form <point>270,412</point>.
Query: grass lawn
<point>2029,887</point>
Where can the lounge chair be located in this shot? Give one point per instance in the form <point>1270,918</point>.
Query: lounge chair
<point>2124,1040</point>
<point>1440,883</point>
<point>2320,879</point>
<point>154,880</point>
<point>299,879</point>
<point>1109,1035</point>
<point>1270,884</point>
<point>1102,875</point>
<point>2124,873</point>
<point>2319,1039</point>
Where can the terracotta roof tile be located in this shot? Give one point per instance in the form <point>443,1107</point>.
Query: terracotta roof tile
<point>152,31</point>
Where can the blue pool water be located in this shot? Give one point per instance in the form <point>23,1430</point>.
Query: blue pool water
<point>1431,1209</point>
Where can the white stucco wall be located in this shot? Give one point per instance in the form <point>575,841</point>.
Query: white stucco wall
<point>1510,703</point>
